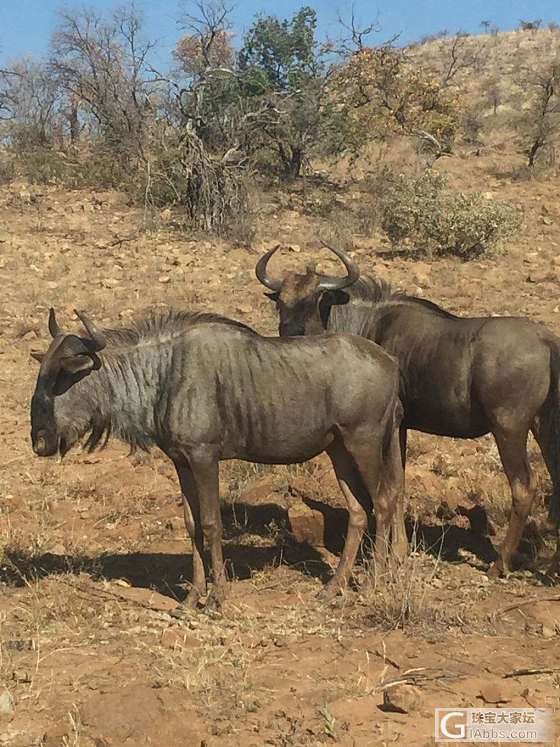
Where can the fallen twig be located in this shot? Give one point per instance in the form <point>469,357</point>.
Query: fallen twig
<point>383,655</point>
<point>119,240</point>
<point>417,676</point>
<point>525,602</point>
<point>529,672</point>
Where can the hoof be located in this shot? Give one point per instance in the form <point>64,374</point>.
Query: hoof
<point>213,604</point>
<point>330,592</point>
<point>554,567</point>
<point>180,612</point>
<point>215,598</point>
<point>496,570</point>
<point>191,602</point>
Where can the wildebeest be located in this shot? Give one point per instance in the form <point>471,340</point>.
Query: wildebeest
<point>204,388</point>
<point>461,377</point>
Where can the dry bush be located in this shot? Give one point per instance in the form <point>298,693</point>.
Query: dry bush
<point>400,598</point>
<point>439,221</point>
<point>94,165</point>
<point>7,168</point>
<point>42,165</point>
<point>212,192</point>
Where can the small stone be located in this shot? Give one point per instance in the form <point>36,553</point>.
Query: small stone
<point>56,737</point>
<point>545,276</point>
<point>401,699</point>
<point>307,525</point>
<point>176,637</point>
<point>548,632</point>
<point>6,704</point>
<point>21,676</point>
<point>492,693</point>
<point>164,279</point>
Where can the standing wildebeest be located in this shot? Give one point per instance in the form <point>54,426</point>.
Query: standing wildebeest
<point>204,388</point>
<point>460,377</point>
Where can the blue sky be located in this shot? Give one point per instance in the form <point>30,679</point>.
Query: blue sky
<point>25,26</point>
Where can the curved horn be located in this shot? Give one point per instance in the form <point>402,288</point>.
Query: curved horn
<point>352,269</point>
<point>96,336</point>
<point>260,271</point>
<point>54,329</point>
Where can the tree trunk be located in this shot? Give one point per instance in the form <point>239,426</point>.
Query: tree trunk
<point>294,163</point>
<point>533,151</point>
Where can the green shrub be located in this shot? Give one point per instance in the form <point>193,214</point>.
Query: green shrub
<point>42,165</point>
<point>433,218</point>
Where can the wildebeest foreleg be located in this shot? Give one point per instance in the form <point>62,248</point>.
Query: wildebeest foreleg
<point>191,512</point>
<point>204,466</point>
<point>513,453</point>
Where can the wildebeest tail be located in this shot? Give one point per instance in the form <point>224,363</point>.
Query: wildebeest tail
<point>549,431</point>
<point>396,414</point>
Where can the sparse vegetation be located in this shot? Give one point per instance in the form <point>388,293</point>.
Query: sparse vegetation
<point>92,550</point>
<point>380,94</point>
<point>540,123</point>
<point>429,216</point>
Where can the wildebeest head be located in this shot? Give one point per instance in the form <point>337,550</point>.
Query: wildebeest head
<point>68,359</point>
<point>303,300</point>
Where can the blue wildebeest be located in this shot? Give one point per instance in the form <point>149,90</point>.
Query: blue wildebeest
<point>461,377</point>
<point>204,388</point>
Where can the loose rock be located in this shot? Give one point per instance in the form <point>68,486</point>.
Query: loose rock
<point>307,525</point>
<point>401,699</point>
<point>6,704</point>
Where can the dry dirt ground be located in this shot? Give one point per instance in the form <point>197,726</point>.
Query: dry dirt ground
<point>93,549</point>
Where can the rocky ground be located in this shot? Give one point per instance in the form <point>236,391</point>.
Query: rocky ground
<point>94,552</point>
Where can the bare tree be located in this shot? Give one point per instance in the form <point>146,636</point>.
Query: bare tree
<point>494,95</point>
<point>530,25</point>
<point>30,99</point>
<point>356,33</point>
<point>103,66</point>
<point>542,120</point>
<point>461,54</point>
<point>206,57</point>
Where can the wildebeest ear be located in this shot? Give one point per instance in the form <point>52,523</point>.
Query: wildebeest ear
<point>76,363</point>
<point>274,296</point>
<point>37,355</point>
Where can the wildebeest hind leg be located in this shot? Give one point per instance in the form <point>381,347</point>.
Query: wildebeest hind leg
<point>392,488</point>
<point>544,431</point>
<point>191,513</point>
<point>345,462</point>
<point>512,446</point>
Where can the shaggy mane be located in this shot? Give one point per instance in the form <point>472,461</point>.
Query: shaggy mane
<point>167,322</point>
<point>366,289</point>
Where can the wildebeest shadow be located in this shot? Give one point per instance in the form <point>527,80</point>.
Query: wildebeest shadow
<point>445,540</point>
<point>167,573</point>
